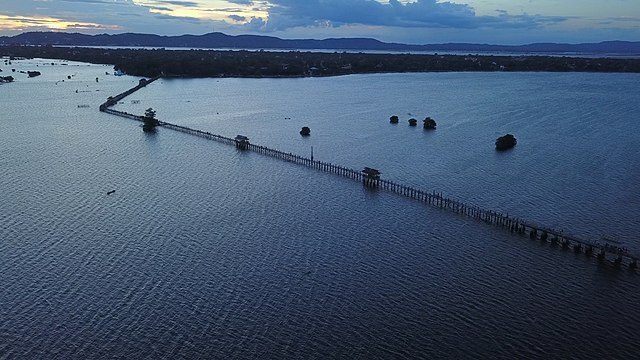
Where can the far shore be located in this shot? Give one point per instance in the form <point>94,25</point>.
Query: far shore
<point>296,64</point>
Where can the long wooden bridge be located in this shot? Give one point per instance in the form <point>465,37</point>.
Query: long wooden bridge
<point>604,251</point>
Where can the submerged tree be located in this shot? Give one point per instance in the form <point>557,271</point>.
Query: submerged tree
<point>505,142</point>
<point>150,121</point>
<point>305,131</point>
<point>429,123</point>
<point>394,119</point>
<point>413,122</point>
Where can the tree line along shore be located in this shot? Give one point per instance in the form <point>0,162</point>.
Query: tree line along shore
<point>242,63</point>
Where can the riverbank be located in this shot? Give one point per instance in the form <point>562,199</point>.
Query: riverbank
<point>257,64</point>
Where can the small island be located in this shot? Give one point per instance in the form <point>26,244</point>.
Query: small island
<point>305,131</point>
<point>413,122</point>
<point>429,123</point>
<point>394,119</point>
<point>505,142</point>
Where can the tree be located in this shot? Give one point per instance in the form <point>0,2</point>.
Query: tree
<point>505,142</point>
<point>429,123</point>
<point>413,122</point>
<point>394,119</point>
<point>150,121</point>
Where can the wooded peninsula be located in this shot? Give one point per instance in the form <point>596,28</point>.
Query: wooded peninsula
<point>243,63</point>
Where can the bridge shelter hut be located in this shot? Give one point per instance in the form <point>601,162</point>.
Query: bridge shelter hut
<point>370,177</point>
<point>242,142</point>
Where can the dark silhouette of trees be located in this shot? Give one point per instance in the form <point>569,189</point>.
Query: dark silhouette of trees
<point>215,63</point>
<point>413,122</point>
<point>429,123</point>
<point>305,131</point>
<point>150,121</point>
<point>505,142</point>
<point>394,119</point>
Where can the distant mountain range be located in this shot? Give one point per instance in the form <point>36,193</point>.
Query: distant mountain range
<point>220,40</point>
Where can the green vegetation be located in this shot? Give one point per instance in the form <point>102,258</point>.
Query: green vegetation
<point>150,121</point>
<point>213,63</point>
<point>429,123</point>
<point>505,142</point>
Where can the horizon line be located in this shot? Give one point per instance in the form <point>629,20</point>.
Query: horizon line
<point>317,39</point>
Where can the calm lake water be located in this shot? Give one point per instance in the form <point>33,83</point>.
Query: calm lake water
<point>207,252</point>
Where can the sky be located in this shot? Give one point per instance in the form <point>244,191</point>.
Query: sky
<point>406,21</point>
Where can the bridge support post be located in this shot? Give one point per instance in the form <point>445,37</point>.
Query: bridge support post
<point>577,248</point>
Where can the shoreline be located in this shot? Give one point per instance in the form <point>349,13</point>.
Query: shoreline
<point>264,64</point>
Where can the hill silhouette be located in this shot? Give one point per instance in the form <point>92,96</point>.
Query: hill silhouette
<point>220,40</point>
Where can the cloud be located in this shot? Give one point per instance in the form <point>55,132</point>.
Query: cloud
<point>255,24</point>
<point>95,16</point>
<point>180,18</point>
<point>95,2</point>
<point>179,3</point>
<point>413,21</point>
<point>284,14</point>
<point>241,2</point>
<point>48,23</point>
<point>626,18</point>
<point>237,18</point>
<point>161,8</point>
